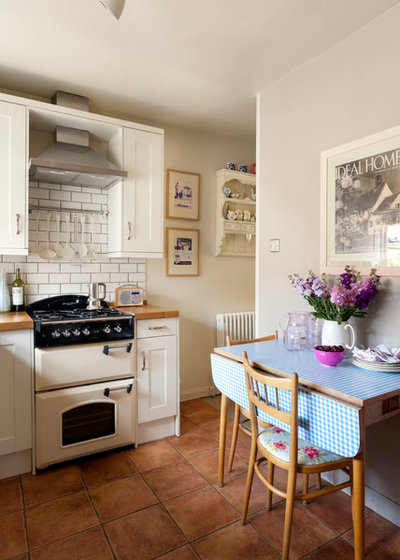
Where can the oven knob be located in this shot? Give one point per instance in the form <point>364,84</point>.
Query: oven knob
<point>76,332</point>
<point>56,334</point>
<point>118,328</point>
<point>86,331</point>
<point>107,329</point>
<point>67,333</point>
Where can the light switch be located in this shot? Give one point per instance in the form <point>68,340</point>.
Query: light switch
<point>274,245</point>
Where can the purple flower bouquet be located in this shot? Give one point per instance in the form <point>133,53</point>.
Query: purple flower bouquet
<point>349,296</point>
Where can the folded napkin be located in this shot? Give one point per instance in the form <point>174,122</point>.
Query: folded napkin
<point>380,353</point>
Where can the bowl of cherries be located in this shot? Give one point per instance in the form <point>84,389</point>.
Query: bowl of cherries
<point>329,355</point>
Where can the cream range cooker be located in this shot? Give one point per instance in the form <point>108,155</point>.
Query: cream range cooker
<point>85,391</point>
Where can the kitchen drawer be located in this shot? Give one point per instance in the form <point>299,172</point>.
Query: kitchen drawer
<point>146,328</point>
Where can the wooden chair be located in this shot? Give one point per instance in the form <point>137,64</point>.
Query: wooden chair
<point>237,423</point>
<point>281,449</point>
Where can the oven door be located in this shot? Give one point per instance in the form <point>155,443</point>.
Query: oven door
<point>82,420</point>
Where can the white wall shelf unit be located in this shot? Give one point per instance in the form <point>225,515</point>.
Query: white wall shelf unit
<point>235,213</point>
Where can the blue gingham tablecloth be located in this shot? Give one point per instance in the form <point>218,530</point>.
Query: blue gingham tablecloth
<point>322,421</point>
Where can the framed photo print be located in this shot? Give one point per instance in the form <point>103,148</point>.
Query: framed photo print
<point>183,195</point>
<point>360,205</point>
<point>182,251</point>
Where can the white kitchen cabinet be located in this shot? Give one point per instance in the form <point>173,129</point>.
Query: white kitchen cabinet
<point>13,180</point>
<point>136,204</point>
<point>15,391</point>
<point>157,378</point>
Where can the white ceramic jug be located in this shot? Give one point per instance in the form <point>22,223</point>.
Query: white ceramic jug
<point>334,334</point>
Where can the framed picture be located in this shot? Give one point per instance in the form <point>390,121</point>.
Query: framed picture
<point>182,251</point>
<point>360,205</point>
<point>183,195</point>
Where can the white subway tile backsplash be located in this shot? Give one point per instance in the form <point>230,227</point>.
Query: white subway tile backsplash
<point>60,195</point>
<point>110,267</point>
<point>119,277</point>
<point>46,278</point>
<point>80,278</point>
<point>70,288</point>
<point>81,197</point>
<point>60,278</point>
<point>49,267</point>
<point>49,289</point>
<point>37,278</point>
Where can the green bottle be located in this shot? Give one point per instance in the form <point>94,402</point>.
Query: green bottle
<point>17,293</point>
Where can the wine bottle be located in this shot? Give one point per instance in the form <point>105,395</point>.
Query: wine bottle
<point>17,293</point>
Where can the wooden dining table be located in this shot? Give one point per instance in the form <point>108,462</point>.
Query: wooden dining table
<point>336,404</point>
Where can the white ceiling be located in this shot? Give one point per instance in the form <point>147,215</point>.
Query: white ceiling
<point>196,63</point>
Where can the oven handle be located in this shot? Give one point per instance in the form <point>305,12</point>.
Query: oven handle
<point>107,348</point>
<point>107,390</point>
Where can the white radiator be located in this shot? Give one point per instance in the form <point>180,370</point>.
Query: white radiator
<point>239,326</point>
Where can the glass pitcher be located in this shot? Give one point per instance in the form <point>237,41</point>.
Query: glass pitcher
<point>298,319</point>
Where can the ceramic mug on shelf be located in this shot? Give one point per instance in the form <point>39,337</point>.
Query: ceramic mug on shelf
<point>231,165</point>
<point>243,168</point>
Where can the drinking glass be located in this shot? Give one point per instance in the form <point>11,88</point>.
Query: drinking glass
<point>293,337</point>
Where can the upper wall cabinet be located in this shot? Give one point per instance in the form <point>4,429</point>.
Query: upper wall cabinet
<point>136,205</point>
<point>13,180</point>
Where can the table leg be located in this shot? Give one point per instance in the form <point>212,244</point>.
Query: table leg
<point>222,438</point>
<point>358,500</point>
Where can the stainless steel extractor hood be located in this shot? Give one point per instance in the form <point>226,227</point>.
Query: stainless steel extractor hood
<point>71,161</point>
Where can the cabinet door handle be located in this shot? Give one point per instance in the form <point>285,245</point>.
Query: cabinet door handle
<point>158,328</point>
<point>130,234</point>
<point>143,361</point>
<point>18,216</point>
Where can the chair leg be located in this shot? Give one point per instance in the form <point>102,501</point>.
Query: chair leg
<point>319,483</point>
<point>305,487</point>
<point>270,478</point>
<point>291,490</point>
<point>234,436</point>
<point>249,480</point>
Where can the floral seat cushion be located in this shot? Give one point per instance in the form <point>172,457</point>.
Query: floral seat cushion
<point>277,442</point>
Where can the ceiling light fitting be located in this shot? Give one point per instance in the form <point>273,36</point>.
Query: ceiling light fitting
<point>115,7</point>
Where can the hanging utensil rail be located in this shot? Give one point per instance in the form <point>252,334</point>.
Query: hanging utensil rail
<point>103,213</point>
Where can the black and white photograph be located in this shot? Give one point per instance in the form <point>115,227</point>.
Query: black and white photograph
<point>362,210</point>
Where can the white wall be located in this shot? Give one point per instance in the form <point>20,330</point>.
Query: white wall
<point>348,92</point>
<point>225,283</point>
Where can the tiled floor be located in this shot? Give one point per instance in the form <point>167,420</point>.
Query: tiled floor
<point>162,501</point>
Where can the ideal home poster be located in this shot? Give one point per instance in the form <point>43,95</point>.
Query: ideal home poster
<point>363,221</point>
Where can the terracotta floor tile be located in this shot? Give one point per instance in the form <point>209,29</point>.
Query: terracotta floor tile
<point>205,417</point>
<point>236,542</point>
<point>307,532</point>
<point>90,545</point>
<point>143,535</point>
<point>200,512</point>
<point>207,465</point>
<point>333,551</point>
<point>152,455</point>
<point>10,495</point>
<point>12,535</point>
<point>183,553</point>
<point>122,496</point>
<point>193,406</point>
<point>187,425</point>
<point>335,510</point>
<point>21,557</point>
<point>106,468</point>
<point>214,432</point>
<point>51,484</point>
<point>173,480</point>
<point>382,539</point>
<point>194,443</point>
<point>59,518</point>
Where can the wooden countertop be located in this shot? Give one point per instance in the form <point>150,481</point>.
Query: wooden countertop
<point>11,321</point>
<point>148,311</point>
